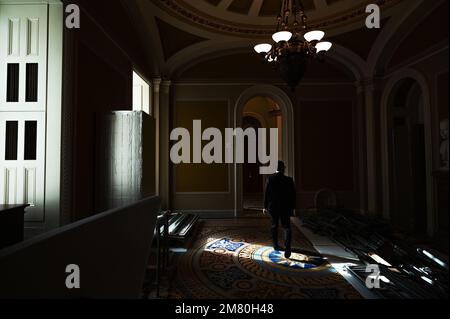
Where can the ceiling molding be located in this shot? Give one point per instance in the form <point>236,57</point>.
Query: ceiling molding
<point>336,15</point>
<point>174,40</point>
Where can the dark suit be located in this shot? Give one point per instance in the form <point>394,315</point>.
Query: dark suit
<point>279,200</point>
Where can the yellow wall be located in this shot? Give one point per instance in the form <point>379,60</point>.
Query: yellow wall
<point>201,177</point>
<point>262,106</point>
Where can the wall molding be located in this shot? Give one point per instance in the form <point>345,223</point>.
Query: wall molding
<point>174,175</point>
<point>219,82</point>
<point>286,106</point>
<point>385,104</point>
<point>421,57</point>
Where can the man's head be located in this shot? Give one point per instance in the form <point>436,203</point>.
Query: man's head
<point>281,167</point>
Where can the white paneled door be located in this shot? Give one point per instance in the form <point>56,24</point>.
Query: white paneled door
<point>22,169</point>
<point>23,104</point>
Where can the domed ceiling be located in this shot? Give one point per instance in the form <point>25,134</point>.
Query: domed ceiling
<point>250,18</point>
<point>179,34</point>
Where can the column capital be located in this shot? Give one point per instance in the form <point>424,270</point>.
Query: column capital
<point>156,84</point>
<point>165,84</point>
<point>368,83</point>
<point>359,87</point>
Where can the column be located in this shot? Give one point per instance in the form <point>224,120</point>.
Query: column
<point>362,152</point>
<point>156,101</point>
<point>368,89</point>
<point>164,139</point>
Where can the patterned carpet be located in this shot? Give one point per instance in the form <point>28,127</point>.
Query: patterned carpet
<point>232,259</point>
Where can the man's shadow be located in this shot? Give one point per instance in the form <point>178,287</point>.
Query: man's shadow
<point>308,253</point>
<point>315,257</point>
<point>315,254</point>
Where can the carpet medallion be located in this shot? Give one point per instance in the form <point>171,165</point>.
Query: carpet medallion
<point>236,261</point>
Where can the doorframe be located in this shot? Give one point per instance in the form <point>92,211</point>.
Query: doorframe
<point>286,106</point>
<point>262,124</point>
<point>54,115</point>
<point>427,111</point>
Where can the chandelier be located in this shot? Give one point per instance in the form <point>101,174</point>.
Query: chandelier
<point>294,44</point>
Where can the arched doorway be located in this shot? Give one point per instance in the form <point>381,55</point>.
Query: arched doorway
<point>252,181</point>
<point>407,158</point>
<point>259,112</point>
<point>272,108</point>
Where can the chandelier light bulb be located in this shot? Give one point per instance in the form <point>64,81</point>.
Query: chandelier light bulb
<point>323,46</point>
<point>282,36</point>
<point>263,48</point>
<point>314,36</point>
<point>290,52</point>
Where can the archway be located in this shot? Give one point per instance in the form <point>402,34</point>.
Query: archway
<point>407,155</point>
<point>283,115</point>
<point>252,181</point>
<point>259,112</point>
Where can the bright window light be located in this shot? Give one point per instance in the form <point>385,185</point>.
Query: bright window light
<point>141,94</point>
<point>379,260</point>
<point>385,280</point>
<point>427,280</point>
<point>435,259</point>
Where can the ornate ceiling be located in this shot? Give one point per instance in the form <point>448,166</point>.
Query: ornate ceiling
<point>179,34</point>
<point>250,18</point>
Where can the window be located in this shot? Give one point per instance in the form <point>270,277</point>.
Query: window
<point>30,140</point>
<point>12,88</point>
<point>141,94</point>
<point>32,82</point>
<point>12,133</point>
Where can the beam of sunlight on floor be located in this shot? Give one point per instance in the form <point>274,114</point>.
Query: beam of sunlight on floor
<point>264,254</point>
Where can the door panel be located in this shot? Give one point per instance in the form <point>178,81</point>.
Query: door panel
<point>23,101</point>
<point>403,189</point>
<point>22,179</point>
<point>23,57</point>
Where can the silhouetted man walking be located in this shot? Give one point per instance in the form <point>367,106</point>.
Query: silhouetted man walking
<point>279,201</point>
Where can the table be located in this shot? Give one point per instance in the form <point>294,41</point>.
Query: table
<point>11,224</point>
